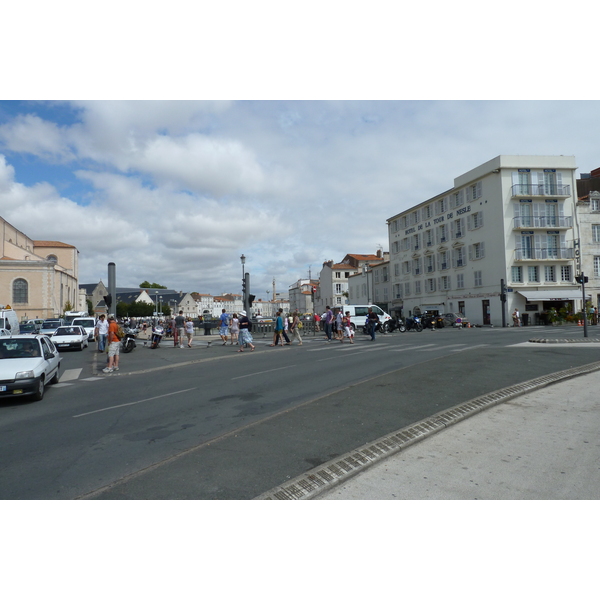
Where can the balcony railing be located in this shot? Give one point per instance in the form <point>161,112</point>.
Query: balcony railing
<point>544,253</point>
<point>542,222</point>
<point>523,189</point>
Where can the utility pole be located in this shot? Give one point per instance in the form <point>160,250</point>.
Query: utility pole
<point>503,301</point>
<point>582,279</point>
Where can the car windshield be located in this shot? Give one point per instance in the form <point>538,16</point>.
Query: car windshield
<point>86,323</point>
<point>67,331</point>
<point>50,324</point>
<point>12,348</point>
<point>27,327</point>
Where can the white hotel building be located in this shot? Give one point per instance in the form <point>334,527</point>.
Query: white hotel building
<point>512,219</point>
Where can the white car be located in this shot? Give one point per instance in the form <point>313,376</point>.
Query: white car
<point>27,364</point>
<point>70,336</point>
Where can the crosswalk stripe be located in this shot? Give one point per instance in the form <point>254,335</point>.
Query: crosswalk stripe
<point>70,374</point>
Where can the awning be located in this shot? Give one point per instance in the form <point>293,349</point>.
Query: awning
<point>549,295</point>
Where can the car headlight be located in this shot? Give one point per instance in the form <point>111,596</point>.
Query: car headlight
<point>24,375</point>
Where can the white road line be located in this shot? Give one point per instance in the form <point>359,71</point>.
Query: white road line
<point>70,374</point>
<point>411,348</point>
<point>262,372</point>
<point>443,347</point>
<point>470,347</point>
<point>93,379</point>
<point>132,403</point>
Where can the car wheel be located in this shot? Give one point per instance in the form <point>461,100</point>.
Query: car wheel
<point>39,394</point>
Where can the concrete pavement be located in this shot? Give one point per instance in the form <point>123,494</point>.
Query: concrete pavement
<point>542,445</point>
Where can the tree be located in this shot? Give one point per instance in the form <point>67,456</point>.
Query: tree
<point>156,286</point>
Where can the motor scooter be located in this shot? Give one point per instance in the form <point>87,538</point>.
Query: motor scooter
<point>128,342</point>
<point>394,324</point>
<point>157,334</point>
<point>414,323</point>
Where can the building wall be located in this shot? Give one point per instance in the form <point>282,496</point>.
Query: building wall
<point>482,242</point>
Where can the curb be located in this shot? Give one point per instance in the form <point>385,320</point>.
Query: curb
<point>566,341</point>
<point>323,478</point>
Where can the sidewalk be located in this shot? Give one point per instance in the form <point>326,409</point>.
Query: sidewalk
<point>542,445</point>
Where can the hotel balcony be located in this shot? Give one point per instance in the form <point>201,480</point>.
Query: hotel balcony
<point>521,190</point>
<point>544,253</point>
<point>542,222</point>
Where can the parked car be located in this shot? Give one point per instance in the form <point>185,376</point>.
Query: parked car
<point>71,336</point>
<point>49,326</point>
<point>451,318</point>
<point>37,322</point>
<point>27,364</point>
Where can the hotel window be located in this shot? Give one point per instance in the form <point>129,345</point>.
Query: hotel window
<point>395,225</point>
<point>405,244</point>
<point>443,263</point>
<point>533,274</point>
<point>458,199</point>
<point>398,290</point>
<point>405,268</point>
<point>476,251</point>
<point>376,275</point>
<point>442,234</point>
<point>416,266</point>
<point>417,288</point>
<point>441,206</point>
<point>428,237</point>
<point>429,264</point>
<point>517,274</point>
<point>474,191</point>
<point>596,233</point>
<point>407,289</point>
<point>477,279</point>
<point>565,273</point>
<point>597,266</point>
<point>476,220</point>
<point>427,214</point>
<point>458,228</point>
<point>430,285</point>
<point>395,247</point>
<point>550,273</point>
<point>460,281</point>
<point>459,258</point>
<point>445,282</point>
<point>416,241</point>
<point>396,269</point>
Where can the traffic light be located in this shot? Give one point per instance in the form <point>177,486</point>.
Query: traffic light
<point>581,279</point>
<point>108,301</point>
<point>250,299</point>
<point>244,287</point>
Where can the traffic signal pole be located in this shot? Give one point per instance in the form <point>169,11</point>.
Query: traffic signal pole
<point>583,280</point>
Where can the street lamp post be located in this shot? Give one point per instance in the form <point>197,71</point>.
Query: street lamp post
<point>244,290</point>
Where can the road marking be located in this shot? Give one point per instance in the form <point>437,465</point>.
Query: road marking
<point>411,348</point>
<point>70,374</point>
<point>132,403</point>
<point>470,348</point>
<point>443,347</point>
<point>93,379</point>
<point>262,372</point>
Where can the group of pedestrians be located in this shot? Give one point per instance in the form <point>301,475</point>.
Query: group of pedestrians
<point>237,329</point>
<point>285,325</point>
<point>336,325</point>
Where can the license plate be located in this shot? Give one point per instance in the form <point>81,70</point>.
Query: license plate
<point>2,388</point>
<point>62,345</point>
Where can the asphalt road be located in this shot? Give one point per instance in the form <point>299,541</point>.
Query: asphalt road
<point>211,423</point>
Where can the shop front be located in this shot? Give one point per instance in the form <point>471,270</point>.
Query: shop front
<point>541,305</point>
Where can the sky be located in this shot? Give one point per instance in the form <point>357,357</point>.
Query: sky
<point>174,192</point>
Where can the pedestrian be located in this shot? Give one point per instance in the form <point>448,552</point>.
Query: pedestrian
<point>339,327</point>
<point>286,325</point>
<point>347,324</point>
<point>101,333</point>
<point>189,331</point>
<point>515,317</point>
<point>245,338</point>
<point>234,328</point>
<point>328,323</point>
<point>224,327</point>
<point>180,327</point>
<point>173,327</point>
<point>114,345</point>
<point>278,330</point>
<point>317,320</point>
<point>295,328</point>
<point>372,320</point>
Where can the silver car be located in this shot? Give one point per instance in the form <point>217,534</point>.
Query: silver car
<point>27,364</point>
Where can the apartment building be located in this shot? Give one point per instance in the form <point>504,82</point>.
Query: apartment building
<point>588,218</point>
<point>510,219</point>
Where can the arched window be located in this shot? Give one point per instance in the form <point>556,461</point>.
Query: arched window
<point>20,291</point>
<point>52,258</point>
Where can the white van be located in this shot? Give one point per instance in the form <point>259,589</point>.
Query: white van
<point>9,320</point>
<point>88,323</point>
<point>358,314</point>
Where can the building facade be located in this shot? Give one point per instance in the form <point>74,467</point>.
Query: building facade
<point>301,296</point>
<point>511,220</point>
<point>38,279</point>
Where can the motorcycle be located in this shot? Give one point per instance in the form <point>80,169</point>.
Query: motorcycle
<point>414,323</point>
<point>378,328</point>
<point>432,321</point>
<point>394,324</point>
<point>157,334</point>
<point>128,342</point>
